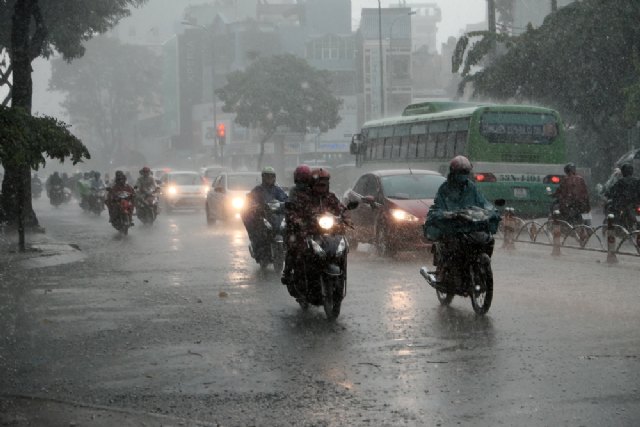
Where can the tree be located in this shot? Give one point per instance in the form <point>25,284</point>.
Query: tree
<point>280,91</point>
<point>24,141</point>
<point>33,28</point>
<point>107,88</point>
<point>578,61</point>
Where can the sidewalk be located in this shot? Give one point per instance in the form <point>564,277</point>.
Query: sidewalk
<point>41,412</point>
<point>41,251</point>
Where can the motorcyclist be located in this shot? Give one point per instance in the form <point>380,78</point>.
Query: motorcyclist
<point>263,193</point>
<point>96,182</point>
<point>84,189</point>
<point>119,185</point>
<point>625,193</point>
<point>300,192</point>
<point>52,181</point>
<point>456,193</point>
<point>571,197</point>
<point>145,185</point>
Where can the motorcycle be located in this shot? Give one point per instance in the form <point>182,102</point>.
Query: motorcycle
<point>57,195</point>
<point>273,224</point>
<point>464,259</point>
<point>96,200</point>
<point>147,207</point>
<point>319,276</point>
<point>627,218</point>
<point>122,212</point>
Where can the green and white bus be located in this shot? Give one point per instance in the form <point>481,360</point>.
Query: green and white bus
<point>518,151</point>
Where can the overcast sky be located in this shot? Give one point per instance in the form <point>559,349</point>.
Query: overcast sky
<point>456,14</point>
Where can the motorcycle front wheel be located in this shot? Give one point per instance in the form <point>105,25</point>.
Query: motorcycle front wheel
<point>331,296</point>
<point>445,298</point>
<point>482,290</point>
<point>278,257</point>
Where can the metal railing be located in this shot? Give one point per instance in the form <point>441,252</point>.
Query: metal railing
<point>611,238</point>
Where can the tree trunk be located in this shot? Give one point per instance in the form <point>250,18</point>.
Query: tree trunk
<point>16,185</point>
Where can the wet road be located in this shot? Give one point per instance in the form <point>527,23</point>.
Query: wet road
<point>177,319</point>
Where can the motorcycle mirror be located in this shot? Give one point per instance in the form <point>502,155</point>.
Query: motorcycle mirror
<point>352,205</point>
<point>369,199</point>
<point>500,202</point>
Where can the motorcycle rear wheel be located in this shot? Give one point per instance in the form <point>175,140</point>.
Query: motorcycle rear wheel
<point>482,277</point>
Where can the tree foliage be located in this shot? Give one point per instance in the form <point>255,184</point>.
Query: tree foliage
<point>280,91</point>
<point>29,140</point>
<point>580,62</point>
<point>108,87</point>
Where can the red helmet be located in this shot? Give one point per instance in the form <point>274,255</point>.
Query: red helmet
<point>320,180</point>
<point>302,174</point>
<point>460,165</point>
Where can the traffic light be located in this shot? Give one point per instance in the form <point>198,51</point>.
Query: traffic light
<point>221,133</point>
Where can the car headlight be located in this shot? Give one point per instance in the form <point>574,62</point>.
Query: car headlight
<point>400,215</point>
<point>326,222</point>
<point>237,202</point>
<point>205,190</point>
<point>172,190</point>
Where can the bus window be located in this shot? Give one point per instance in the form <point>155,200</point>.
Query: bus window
<point>397,145</point>
<point>461,142</point>
<point>388,148</point>
<point>404,144</point>
<point>431,145</point>
<point>422,147</point>
<point>450,144</point>
<point>380,148</point>
<point>386,131</point>
<point>412,147</point>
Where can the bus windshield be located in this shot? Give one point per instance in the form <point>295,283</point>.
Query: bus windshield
<point>518,128</point>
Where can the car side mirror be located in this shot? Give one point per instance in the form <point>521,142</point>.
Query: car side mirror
<point>352,205</point>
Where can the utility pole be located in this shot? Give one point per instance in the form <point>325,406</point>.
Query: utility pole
<point>381,59</point>
<point>491,14</point>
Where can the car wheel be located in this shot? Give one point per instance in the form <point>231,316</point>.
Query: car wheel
<point>382,243</point>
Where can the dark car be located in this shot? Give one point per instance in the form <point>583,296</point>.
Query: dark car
<point>226,196</point>
<point>393,206</point>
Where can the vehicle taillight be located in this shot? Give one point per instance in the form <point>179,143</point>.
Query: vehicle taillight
<point>551,179</point>
<point>638,210</point>
<point>485,177</point>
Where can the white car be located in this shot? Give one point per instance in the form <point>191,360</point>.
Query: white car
<point>183,189</point>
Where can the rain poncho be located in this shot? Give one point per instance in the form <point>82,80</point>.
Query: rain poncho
<point>453,196</point>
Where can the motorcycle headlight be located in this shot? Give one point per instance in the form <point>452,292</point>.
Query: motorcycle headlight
<point>400,215</point>
<point>326,222</point>
<point>237,202</point>
<point>205,190</point>
<point>172,190</point>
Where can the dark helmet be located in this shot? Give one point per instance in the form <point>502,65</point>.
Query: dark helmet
<point>626,169</point>
<point>320,180</point>
<point>460,165</point>
<point>145,171</point>
<point>569,168</point>
<point>302,174</point>
<point>120,176</point>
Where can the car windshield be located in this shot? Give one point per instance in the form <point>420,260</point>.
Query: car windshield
<point>243,182</point>
<point>411,186</point>
<point>185,179</point>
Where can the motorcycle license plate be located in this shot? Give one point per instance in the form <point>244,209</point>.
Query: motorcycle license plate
<point>586,217</point>
<point>637,218</point>
<point>520,192</point>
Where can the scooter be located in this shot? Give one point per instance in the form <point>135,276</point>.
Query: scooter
<point>464,259</point>
<point>123,212</point>
<point>147,207</point>
<point>272,231</point>
<point>319,277</point>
